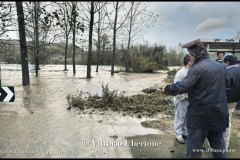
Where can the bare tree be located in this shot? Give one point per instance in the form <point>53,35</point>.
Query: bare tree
<point>116,26</point>
<point>63,18</point>
<point>99,39</point>
<point>23,45</point>
<point>100,28</point>
<point>8,22</point>
<point>74,33</point>
<point>139,20</point>
<point>92,11</point>
<point>69,22</point>
<point>39,23</point>
<point>36,35</point>
<point>114,38</point>
<point>90,40</point>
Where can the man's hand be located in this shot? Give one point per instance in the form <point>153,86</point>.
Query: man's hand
<point>165,90</point>
<point>169,91</point>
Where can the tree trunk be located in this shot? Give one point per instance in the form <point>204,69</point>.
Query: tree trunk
<point>23,45</point>
<point>36,33</point>
<point>67,32</point>
<point>66,51</point>
<point>74,33</point>
<point>90,40</point>
<point>99,39</point>
<point>114,39</point>
<point>129,40</point>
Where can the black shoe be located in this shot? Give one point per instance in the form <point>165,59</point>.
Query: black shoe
<point>184,137</point>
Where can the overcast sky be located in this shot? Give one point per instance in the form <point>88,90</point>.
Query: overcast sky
<point>182,22</point>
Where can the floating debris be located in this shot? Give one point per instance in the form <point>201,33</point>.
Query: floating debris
<point>114,137</point>
<point>171,150</point>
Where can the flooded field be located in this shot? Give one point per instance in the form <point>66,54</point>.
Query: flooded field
<point>38,125</point>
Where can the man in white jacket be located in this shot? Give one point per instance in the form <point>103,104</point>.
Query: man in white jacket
<point>181,102</point>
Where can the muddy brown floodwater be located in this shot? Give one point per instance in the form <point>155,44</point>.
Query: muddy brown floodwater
<point>38,125</point>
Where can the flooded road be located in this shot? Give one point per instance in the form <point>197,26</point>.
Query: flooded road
<point>38,125</point>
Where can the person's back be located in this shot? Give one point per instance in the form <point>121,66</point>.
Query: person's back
<point>211,76</point>
<point>207,115</point>
<point>207,95</point>
<point>233,91</point>
<point>233,83</point>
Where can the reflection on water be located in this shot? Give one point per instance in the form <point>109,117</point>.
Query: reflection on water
<point>38,124</point>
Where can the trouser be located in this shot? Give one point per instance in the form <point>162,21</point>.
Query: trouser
<point>196,138</point>
<point>227,133</point>
<point>180,119</point>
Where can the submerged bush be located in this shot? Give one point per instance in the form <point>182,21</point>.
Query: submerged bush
<point>140,104</point>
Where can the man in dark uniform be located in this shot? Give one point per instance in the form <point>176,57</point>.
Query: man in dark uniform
<point>207,115</point>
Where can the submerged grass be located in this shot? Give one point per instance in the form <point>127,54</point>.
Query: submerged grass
<point>148,104</point>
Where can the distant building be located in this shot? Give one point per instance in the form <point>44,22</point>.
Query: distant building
<point>215,45</point>
<point>229,46</point>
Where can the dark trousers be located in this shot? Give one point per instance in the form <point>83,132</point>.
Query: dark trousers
<point>196,138</point>
<point>238,105</point>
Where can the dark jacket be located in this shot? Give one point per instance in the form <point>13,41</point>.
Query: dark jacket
<point>205,85</point>
<point>233,83</point>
